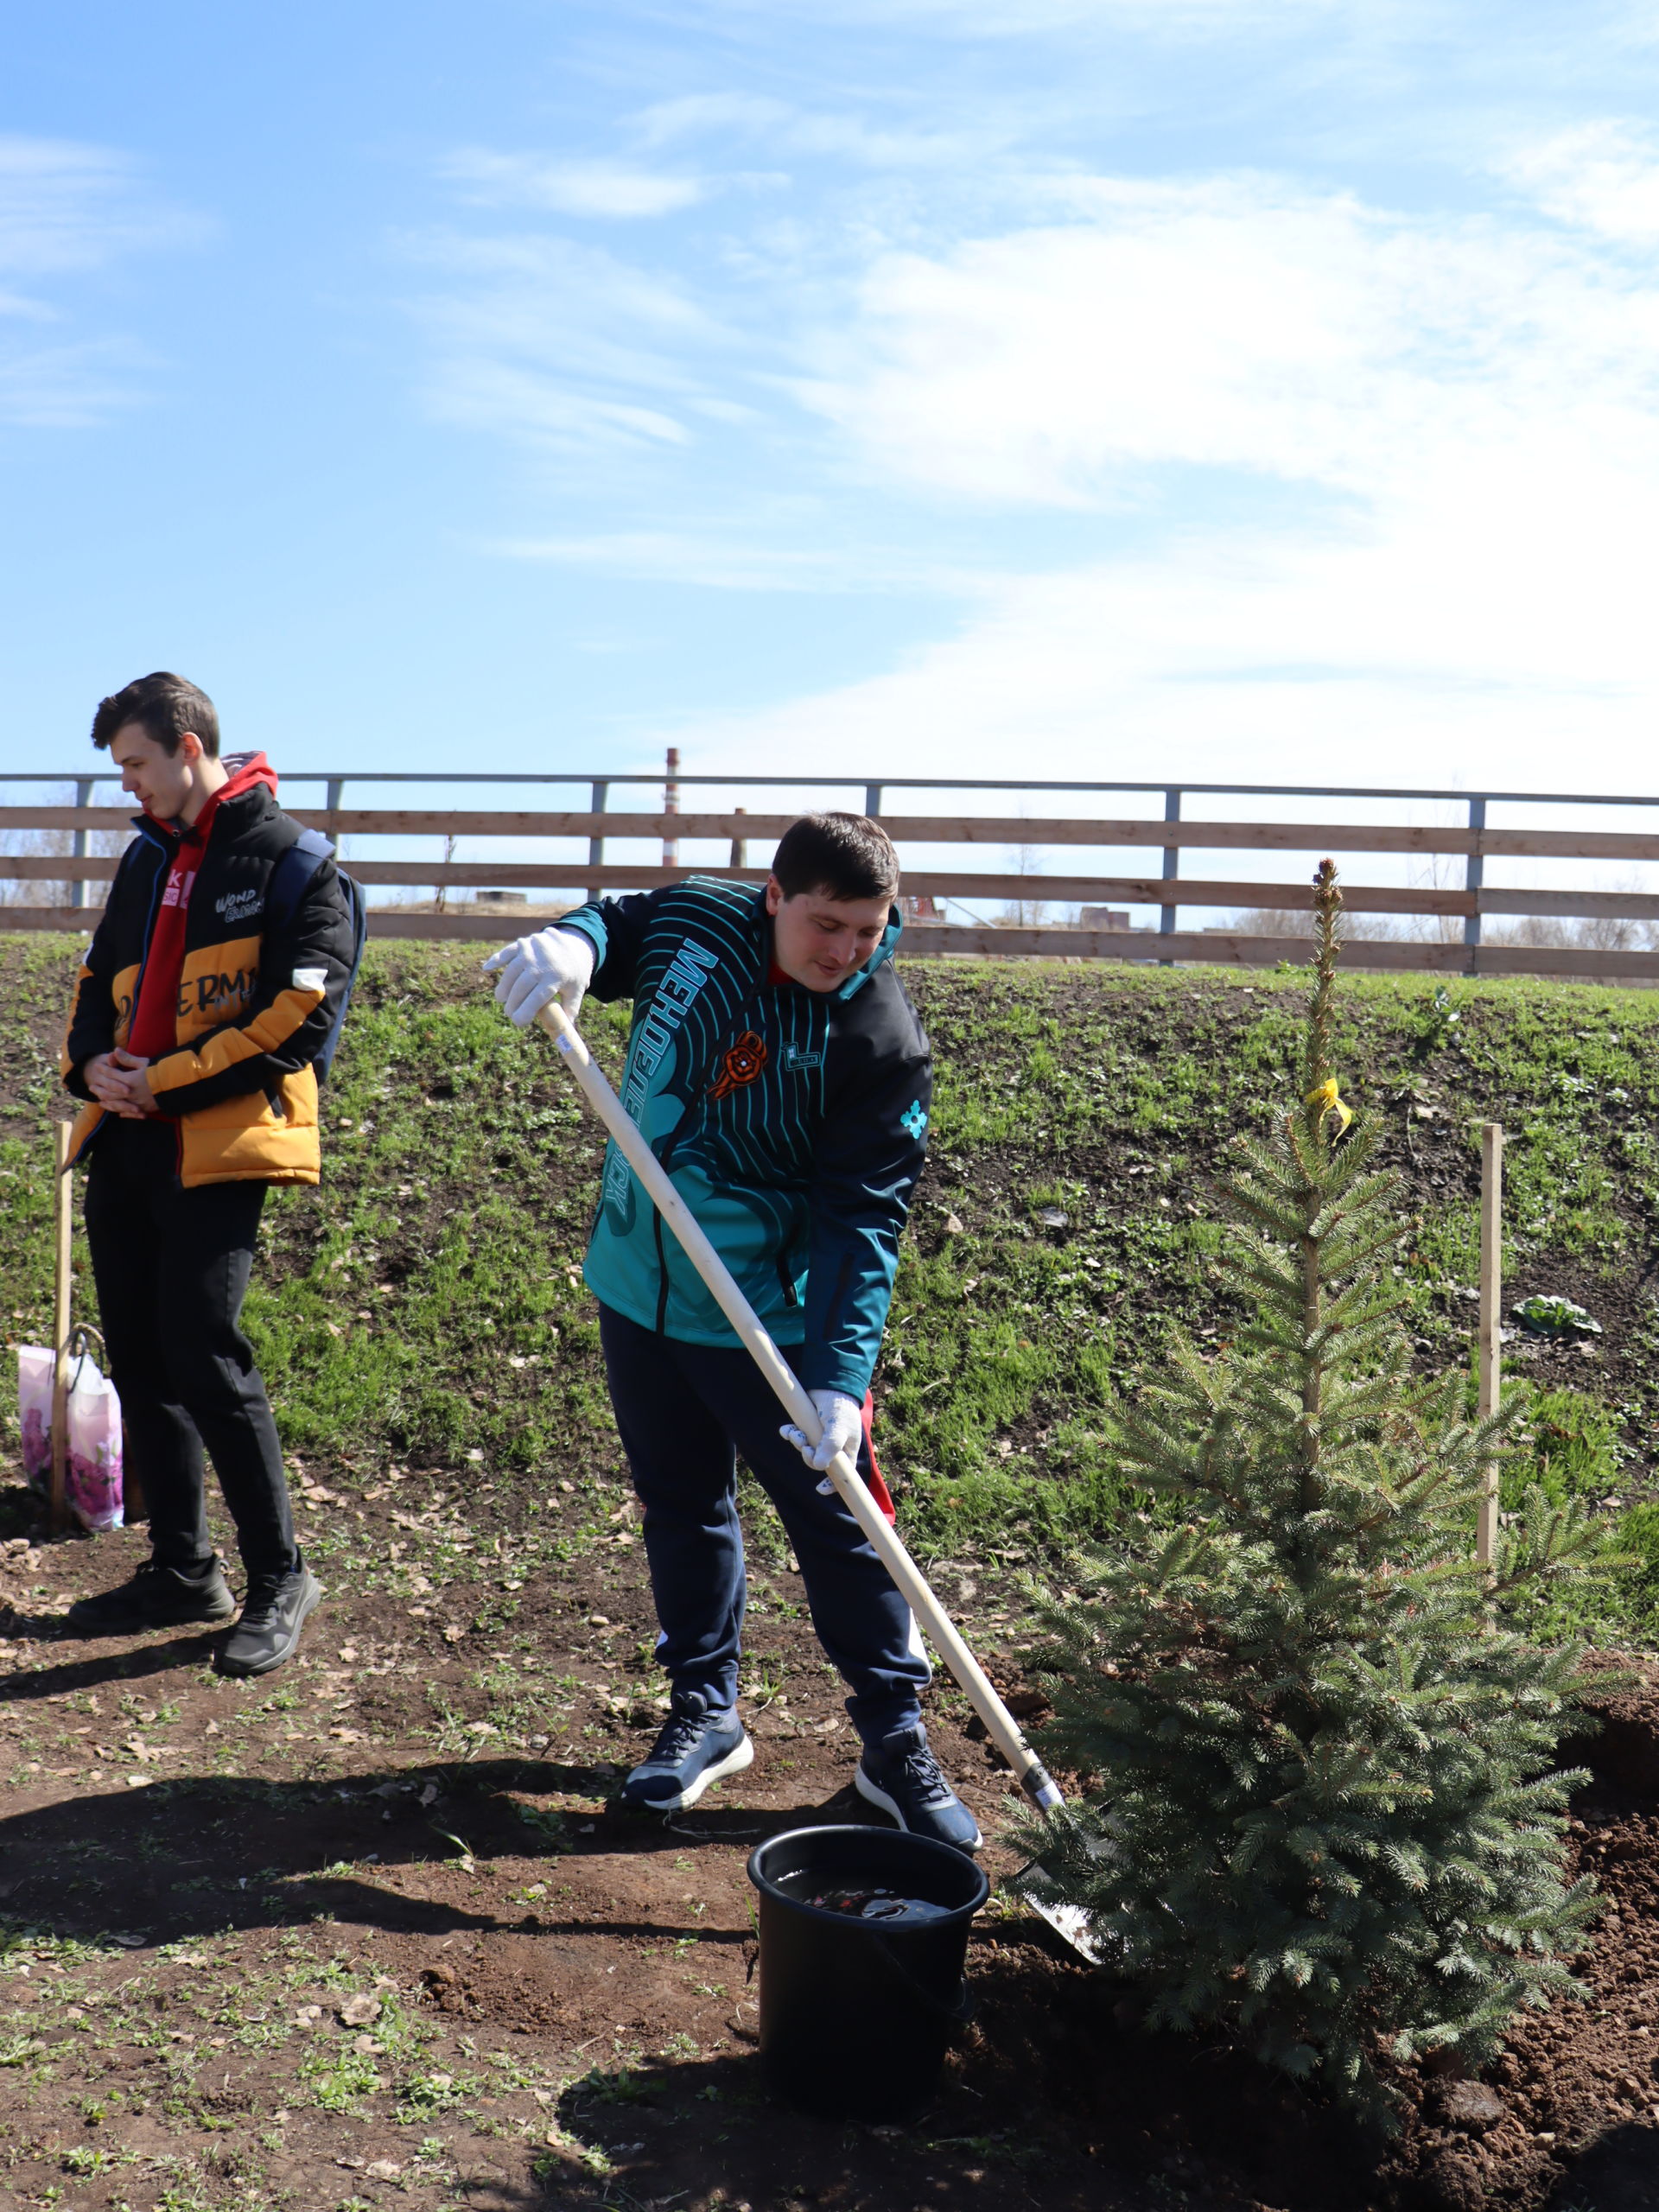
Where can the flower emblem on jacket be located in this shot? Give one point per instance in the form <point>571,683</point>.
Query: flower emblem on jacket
<point>913,1119</point>
<point>740,1064</point>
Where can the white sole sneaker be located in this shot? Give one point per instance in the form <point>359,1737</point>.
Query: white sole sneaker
<point>873,1794</point>
<point>734,1762</point>
<point>311,1596</point>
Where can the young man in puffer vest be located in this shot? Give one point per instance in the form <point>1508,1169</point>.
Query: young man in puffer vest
<point>781,1077</point>
<point>196,1023</point>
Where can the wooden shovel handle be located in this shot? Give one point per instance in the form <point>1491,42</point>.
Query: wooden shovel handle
<point>791,1394</point>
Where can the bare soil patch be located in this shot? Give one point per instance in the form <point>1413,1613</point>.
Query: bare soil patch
<point>355,1935</point>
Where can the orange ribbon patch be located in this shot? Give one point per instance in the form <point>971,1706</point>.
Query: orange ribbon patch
<point>741,1063</point>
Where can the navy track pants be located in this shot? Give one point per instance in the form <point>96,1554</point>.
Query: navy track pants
<point>684,1412</point>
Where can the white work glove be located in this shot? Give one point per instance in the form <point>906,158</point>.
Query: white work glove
<point>553,963</point>
<point>844,1425</point>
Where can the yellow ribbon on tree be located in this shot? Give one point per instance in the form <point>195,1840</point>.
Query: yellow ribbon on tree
<point>1328,1099</point>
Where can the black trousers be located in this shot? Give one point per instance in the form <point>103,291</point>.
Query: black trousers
<point>172,1268</point>
<point>684,1412</point>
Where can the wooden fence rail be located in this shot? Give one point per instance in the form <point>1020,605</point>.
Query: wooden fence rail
<point>1453,907</point>
<point>1130,890</point>
<point>931,830</point>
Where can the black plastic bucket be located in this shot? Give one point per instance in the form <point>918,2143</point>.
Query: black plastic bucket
<point>856,2014</point>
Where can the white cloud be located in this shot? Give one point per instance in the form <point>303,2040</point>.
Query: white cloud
<point>1354,493</point>
<point>1369,663</point>
<point>61,206</point>
<point>675,557</point>
<point>1603,177</point>
<point>809,133</point>
<point>539,338</point>
<point>1025,18</point>
<point>695,114</point>
<point>495,395</point>
<point>1234,325</point>
<point>560,299</point>
<point>66,387</point>
<point>66,211</point>
<point>756,561</point>
<point>1441,436</point>
<point>609,189</point>
<point>65,207</point>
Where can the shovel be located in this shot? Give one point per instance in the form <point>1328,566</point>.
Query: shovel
<point>791,1394</point>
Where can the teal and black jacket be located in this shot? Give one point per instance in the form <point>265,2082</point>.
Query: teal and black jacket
<point>792,1122</point>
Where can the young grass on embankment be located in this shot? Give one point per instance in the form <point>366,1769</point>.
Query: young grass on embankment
<point>424,1306</point>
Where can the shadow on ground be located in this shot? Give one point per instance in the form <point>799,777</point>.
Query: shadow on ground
<point>197,1856</point>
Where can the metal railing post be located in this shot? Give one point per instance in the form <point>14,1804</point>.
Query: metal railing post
<point>1172,867</point>
<point>83,797</point>
<point>740,845</point>
<point>671,806</point>
<point>873,802</point>
<point>336,786</point>
<point>1474,869</point>
<point>597,796</point>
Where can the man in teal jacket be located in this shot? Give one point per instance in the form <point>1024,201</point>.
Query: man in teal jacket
<point>781,1077</point>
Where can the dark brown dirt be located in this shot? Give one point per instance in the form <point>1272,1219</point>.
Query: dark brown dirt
<point>578,1983</point>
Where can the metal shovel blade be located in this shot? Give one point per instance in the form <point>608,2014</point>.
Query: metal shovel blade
<point>1070,1921</point>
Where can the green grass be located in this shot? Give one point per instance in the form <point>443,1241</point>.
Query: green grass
<point>422,1311</point>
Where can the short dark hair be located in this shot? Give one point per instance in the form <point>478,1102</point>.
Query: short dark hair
<point>845,855</point>
<point>164,707</point>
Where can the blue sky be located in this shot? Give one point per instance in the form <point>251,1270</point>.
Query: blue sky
<point>1256,389</point>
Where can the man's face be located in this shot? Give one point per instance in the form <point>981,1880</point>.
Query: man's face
<point>819,941</point>
<point>161,781</point>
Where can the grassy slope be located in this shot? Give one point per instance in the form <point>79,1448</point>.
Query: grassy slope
<point>424,1306</point>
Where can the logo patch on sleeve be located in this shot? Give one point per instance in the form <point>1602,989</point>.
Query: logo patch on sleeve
<point>913,1119</point>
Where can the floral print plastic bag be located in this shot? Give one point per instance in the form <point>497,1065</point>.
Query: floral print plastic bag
<point>34,1365</point>
<point>93,1464</point>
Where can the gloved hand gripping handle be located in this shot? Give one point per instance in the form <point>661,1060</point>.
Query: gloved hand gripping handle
<point>793,1395</point>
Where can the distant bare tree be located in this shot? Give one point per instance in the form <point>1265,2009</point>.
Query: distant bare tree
<point>1297,922</point>
<point>1273,921</point>
<point>1594,933</point>
<point>54,844</point>
<point>442,901</point>
<point>1538,932</point>
<point>1435,871</point>
<point>1590,933</point>
<point>1024,913</point>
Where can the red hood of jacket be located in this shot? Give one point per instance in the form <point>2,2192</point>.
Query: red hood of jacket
<point>153,1028</point>
<point>248,770</point>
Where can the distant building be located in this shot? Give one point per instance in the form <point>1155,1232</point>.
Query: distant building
<point>1103,918</point>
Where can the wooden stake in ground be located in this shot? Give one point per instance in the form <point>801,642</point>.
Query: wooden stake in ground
<point>63,1214</point>
<point>1492,1303</point>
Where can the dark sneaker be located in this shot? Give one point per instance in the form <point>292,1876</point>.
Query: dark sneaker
<point>273,1613</point>
<point>697,1745</point>
<point>156,1597</point>
<point>901,1776</point>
